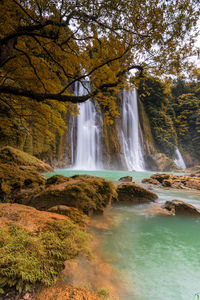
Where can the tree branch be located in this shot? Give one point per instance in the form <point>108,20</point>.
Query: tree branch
<point>40,97</point>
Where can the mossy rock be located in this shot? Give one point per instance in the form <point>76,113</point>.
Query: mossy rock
<point>178,207</point>
<point>89,194</point>
<point>134,194</point>
<point>71,212</point>
<point>126,179</point>
<point>174,181</point>
<point>34,245</point>
<point>56,179</point>
<point>13,178</point>
<point>10,155</point>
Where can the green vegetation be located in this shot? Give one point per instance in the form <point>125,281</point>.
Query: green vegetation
<point>13,178</point>
<point>43,56</point>
<point>13,156</point>
<point>155,100</point>
<point>174,114</point>
<point>35,128</point>
<point>186,105</point>
<point>27,259</point>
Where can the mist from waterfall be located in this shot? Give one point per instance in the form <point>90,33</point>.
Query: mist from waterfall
<point>131,132</point>
<point>86,150</point>
<point>179,161</point>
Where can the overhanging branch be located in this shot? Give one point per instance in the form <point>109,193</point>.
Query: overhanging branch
<point>40,97</point>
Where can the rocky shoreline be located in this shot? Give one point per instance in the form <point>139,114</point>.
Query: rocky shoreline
<point>45,224</point>
<point>174,181</point>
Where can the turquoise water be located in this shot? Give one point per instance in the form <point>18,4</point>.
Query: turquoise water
<point>158,257</point>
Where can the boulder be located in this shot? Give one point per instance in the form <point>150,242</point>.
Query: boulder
<point>56,179</point>
<point>13,178</point>
<point>126,179</point>
<point>178,207</point>
<point>89,194</point>
<point>13,156</point>
<point>133,193</point>
<point>151,181</point>
<point>174,181</point>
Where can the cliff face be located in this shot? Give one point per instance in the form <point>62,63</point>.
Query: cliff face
<point>59,148</point>
<point>112,152</point>
<point>148,140</point>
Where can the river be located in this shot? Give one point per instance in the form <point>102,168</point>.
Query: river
<point>157,256</point>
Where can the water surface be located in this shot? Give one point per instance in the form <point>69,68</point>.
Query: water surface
<point>158,257</point>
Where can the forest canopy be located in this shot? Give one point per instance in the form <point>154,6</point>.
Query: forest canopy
<point>46,46</point>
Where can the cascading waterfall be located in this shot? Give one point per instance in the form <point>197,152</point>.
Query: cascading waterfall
<point>86,131</point>
<point>179,161</point>
<point>131,132</point>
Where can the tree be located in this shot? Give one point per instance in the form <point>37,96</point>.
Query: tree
<point>46,46</point>
<point>155,98</point>
<point>187,110</point>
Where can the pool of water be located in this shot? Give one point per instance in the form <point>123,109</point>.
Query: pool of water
<point>158,257</point>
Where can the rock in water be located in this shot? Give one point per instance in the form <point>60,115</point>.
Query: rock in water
<point>133,193</point>
<point>126,179</point>
<point>174,181</point>
<point>178,207</point>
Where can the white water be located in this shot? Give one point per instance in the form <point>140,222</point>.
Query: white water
<point>87,151</point>
<point>179,161</point>
<point>131,132</point>
<point>86,133</point>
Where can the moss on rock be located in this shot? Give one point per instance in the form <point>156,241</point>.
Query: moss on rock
<point>13,178</point>
<point>132,193</point>
<point>174,181</point>
<point>86,193</point>
<point>56,179</point>
<point>34,245</point>
<point>13,156</point>
<point>71,212</point>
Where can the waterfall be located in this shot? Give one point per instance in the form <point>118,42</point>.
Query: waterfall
<point>179,161</point>
<point>86,150</point>
<point>131,132</point>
